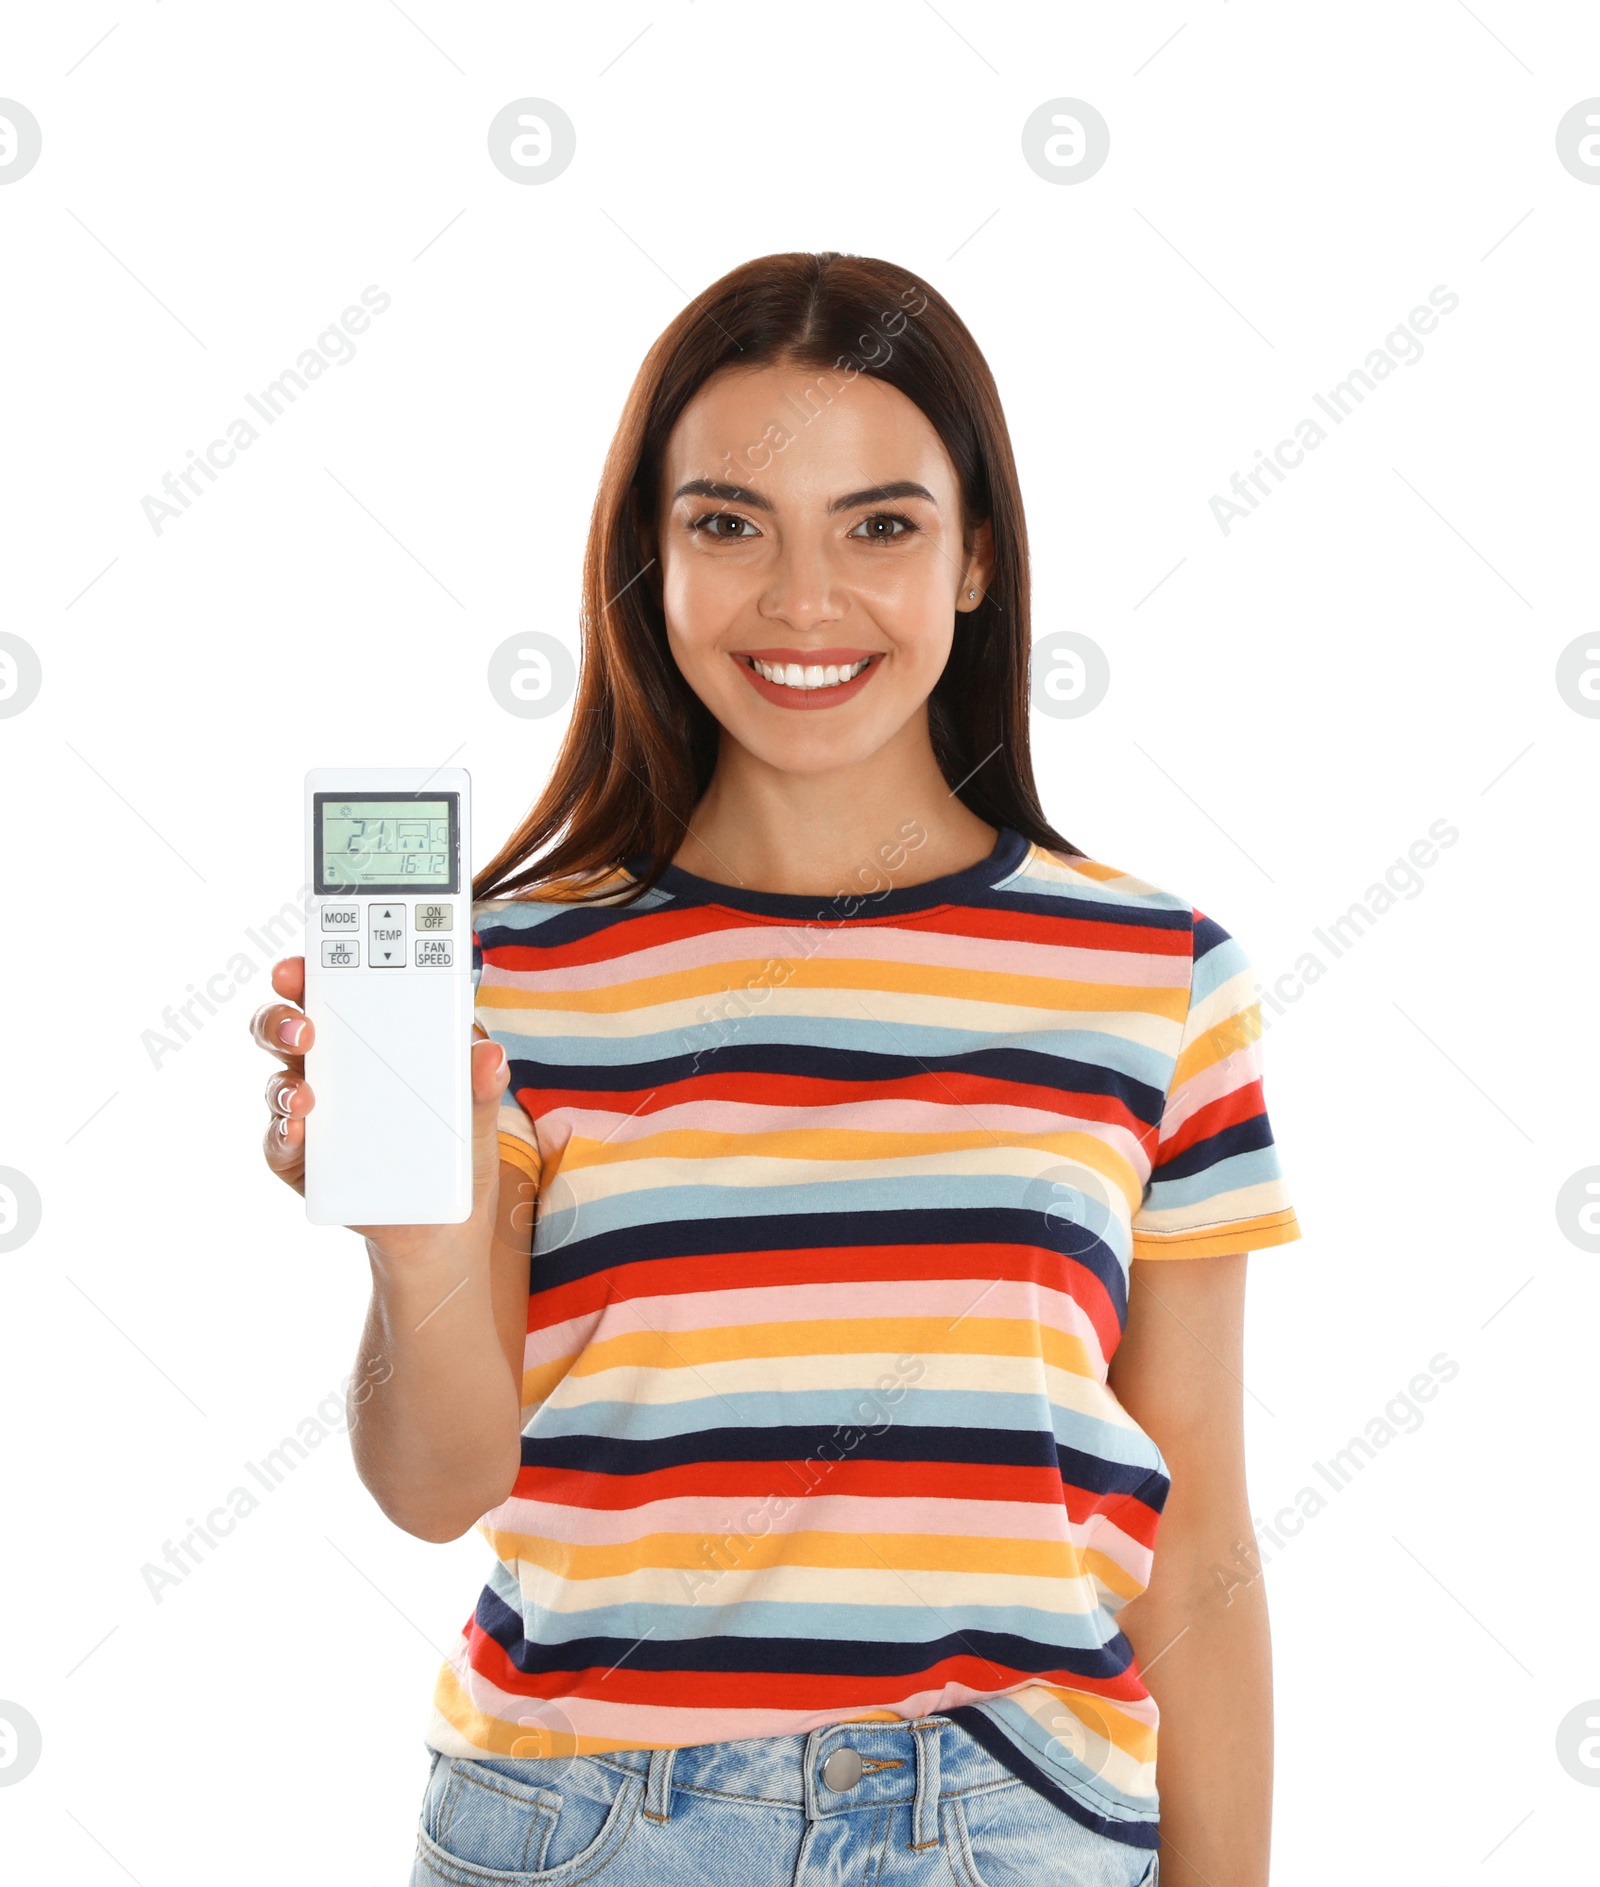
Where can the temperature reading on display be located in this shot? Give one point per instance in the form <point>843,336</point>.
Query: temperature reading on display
<point>386,842</point>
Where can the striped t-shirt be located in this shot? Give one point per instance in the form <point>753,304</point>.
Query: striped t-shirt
<point>837,1199</point>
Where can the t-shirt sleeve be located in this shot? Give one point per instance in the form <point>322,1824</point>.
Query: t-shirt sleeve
<point>519,1143</point>
<point>1215,1183</point>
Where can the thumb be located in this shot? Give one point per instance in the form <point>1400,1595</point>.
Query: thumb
<point>491,1075</point>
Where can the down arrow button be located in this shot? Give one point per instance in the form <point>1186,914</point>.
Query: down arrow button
<point>386,935</point>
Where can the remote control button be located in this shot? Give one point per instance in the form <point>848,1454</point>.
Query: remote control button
<point>386,936</point>
<point>341,917</point>
<point>340,953</point>
<point>435,953</point>
<point>433,917</point>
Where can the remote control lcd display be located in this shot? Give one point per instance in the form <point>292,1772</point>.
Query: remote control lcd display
<point>386,842</point>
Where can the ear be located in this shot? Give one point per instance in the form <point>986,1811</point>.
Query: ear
<point>980,568</point>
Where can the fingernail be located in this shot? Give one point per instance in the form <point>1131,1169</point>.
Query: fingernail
<point>289,1031</point>
<point>283,1128</point>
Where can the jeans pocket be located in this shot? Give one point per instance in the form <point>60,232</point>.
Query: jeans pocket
<point>1014,1837</point>
<point>494,1821</point>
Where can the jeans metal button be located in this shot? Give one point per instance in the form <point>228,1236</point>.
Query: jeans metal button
<point>842,1770</point>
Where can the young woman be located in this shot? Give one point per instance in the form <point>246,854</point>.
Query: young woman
<point>814,1359</point>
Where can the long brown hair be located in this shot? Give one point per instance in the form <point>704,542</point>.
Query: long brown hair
<point>641,745</point>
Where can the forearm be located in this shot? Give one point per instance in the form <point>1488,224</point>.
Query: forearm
<point>437,1438</point>
<point>1207,1659</point>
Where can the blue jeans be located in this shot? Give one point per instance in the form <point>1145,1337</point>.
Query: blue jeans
<point>893,1805</point>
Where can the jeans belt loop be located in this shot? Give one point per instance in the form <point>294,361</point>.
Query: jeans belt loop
<point>658,1785</point>
<point>925,1809</point>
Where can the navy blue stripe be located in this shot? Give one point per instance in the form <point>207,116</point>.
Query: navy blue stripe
<point>659,1241</point>
<point>568,924</point>
<point>1128,917</point>
<point>800,1657</point>
<point>1245,1136</point>
<point>1208,933</point>
<point>829,1445</point>
<point>1015,1066</point>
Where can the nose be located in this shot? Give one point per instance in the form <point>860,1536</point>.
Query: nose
<point>803,589</point>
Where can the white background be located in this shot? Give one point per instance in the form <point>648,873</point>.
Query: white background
<point>1292,705</point>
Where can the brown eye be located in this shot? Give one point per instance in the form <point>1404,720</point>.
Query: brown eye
<point>708,525</point>
<point>883,527</point>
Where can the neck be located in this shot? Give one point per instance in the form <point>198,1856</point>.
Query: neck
<point>890,818</point>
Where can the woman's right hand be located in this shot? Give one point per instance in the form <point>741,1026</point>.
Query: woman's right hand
<point>435,1422</point>
<point>283,1029</point>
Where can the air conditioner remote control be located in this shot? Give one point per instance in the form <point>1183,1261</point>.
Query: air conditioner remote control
<point>389,992</point>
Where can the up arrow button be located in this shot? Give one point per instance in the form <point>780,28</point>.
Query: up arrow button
<point>386,935</point>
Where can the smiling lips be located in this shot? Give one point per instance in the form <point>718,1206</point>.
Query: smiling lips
<point>807,678</point>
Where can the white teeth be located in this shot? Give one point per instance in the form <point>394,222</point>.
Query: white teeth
<point>813,675</point>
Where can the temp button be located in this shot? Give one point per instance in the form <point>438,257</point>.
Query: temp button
<point>386,936</point>
<point>436,953</point>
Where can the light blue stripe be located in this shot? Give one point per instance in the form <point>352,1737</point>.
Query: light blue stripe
<point>502,1582</point>
<point>912,1623</point>
<point>858,1033</point>
<point>527,914</point>
<point>1221,962</point>
<point>1087,891</point>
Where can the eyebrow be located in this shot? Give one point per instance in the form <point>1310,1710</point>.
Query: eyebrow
<point>725,494</point>
<point>881,494</point>
<point>742,495</point>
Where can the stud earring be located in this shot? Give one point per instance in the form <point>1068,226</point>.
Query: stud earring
<point>973,594</point>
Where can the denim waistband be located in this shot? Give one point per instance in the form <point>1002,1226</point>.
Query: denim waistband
<point>916,1762</point>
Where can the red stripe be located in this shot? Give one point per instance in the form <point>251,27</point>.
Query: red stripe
<point>1227,1110</point>
<point>1127,1512</point>
<point>792,1480</point>
<point>870,1480</point>
<point>775,1089</point>
<point>831,1264</point>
